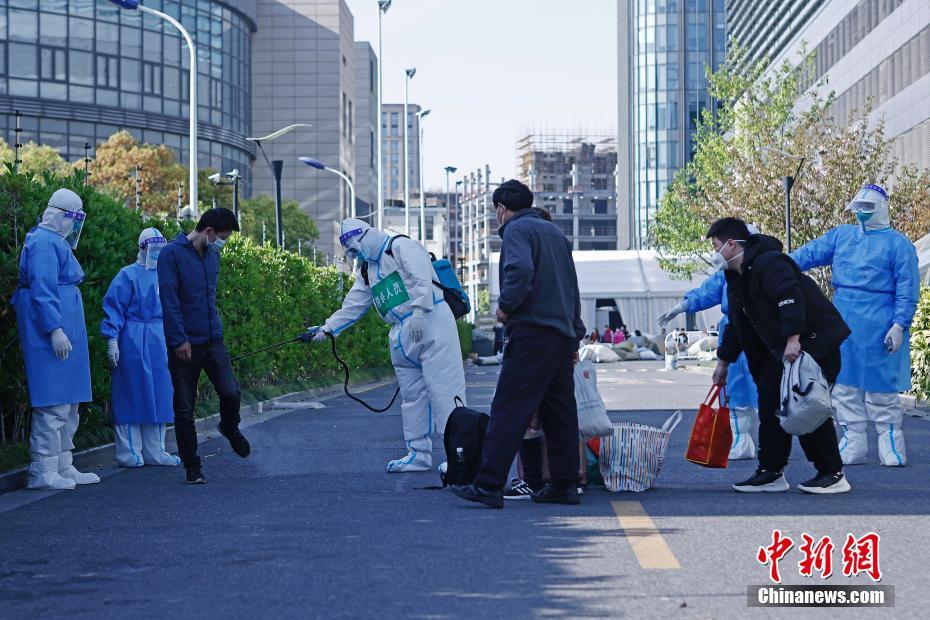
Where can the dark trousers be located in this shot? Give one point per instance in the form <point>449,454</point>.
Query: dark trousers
<point>537,374</point>
<point>532,458</point>
<point>820,447</point>
<point>214,360</point>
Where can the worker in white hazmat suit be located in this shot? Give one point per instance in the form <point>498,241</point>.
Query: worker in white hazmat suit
<point>876,283</point>
<point>396,276</point>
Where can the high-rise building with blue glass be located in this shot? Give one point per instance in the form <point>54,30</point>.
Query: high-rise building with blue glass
<point>664,49</point>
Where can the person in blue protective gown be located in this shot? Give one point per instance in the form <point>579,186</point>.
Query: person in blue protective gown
<point>876,283</point>
<point>396,276</point>
<point>142,393</point>
<point>740,389</point>
<point>53,336</point>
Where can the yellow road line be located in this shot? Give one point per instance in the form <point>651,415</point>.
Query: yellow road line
<point>648,544</point>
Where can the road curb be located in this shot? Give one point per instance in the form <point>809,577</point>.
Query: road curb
<point>262,411</point>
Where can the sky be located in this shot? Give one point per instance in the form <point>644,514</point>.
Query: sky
<point>491,71</point>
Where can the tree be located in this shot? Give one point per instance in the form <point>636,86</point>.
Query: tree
<point>735,171</point>
<point>260,209</point>
<point>114,165</point>
<point>36,159</point>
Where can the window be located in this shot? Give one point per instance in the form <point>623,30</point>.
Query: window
<point>371,76</point>
<point>23,62</point>
<point>395,119</point>
<point>130,80</point>
<point>429,228</point>
<point>600,206</point>
<point>371,148</point>
<point>345,113</point>
<point>23,26</point>
<point>54,67</point>
<point>82,68</point>
<point>151,79</point>
<point>351,131</point>
<point>567,206</point>
<point>107,71</point>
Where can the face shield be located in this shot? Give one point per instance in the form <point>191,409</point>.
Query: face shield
<point>350,241</point>
<point>76,219</point>
<point>150,249</point>
<point>870,206</point>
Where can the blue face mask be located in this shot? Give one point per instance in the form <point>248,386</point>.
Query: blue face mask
<point>862,217</point>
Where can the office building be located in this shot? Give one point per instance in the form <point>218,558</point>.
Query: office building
<point>664,48</point>
<point>574,177</point>
<point>479,237</point>
<point>392,158</point>
<point>366,136</point>
<point>871,49</point>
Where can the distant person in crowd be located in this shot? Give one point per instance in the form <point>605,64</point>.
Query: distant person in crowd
<point>141,386</point>
<point>619,336</point>
<point>626,332</point>
<point>188,278</point>
<point>608,337</point>
<point>540,306</point>
<point>877,284</point>
<point>53,337</point>
<point>775,312</point>
<point>595,337</point>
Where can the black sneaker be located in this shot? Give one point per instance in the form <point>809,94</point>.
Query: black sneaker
<point>474,493</point>
<point>555,495</point>
<point>519,490</point>
<point>195,475</point>
<point>763,481</point>
<point>826,484</point>
<point>237,440</point>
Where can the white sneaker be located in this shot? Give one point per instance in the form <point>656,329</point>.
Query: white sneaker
<point>414,461</point>
<point>826,484</point>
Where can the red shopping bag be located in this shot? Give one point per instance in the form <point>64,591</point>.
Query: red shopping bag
<point>711,436</point>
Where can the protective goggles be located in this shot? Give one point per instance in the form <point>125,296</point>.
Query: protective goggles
<point>77,218</point>
<point>344,237</point>
<point>868,199</point>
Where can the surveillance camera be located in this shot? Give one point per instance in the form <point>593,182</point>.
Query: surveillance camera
<point>213,178</point>
<point>232,175</point>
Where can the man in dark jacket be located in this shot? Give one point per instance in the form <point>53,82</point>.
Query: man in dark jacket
<point>541,308</point>
<point>188,272</point>
<point>775,312</point>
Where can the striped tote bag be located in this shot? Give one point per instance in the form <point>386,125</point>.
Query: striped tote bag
<point>632,455</point>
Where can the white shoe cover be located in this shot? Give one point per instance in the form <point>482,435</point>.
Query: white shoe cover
<point>44,476</point>
<point>854,444</point>
<point>891,449</point>
<point>67,470</point>
<point>744,447</point>
<point>414,461</point>
<point>153,446</point>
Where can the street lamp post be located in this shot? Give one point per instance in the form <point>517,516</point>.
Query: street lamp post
<point>276,168</point>
<point>420,116</point>
<point>383,6</point>
<point>192,139</point>
<point>449,170</point>
<point>409,75</point>
<point>787,184</point>
<point>314,163</point>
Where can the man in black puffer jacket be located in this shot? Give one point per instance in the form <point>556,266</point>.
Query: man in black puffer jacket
<point>776,311</point>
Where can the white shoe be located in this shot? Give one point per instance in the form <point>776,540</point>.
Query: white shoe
<point>443,467</point>
<point>826,484</point>
<point>414,461</point>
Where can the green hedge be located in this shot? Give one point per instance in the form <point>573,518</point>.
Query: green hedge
<point>266,296</point>
<point>920,347</point>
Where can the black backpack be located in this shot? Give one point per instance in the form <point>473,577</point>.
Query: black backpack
<point>464,437</point>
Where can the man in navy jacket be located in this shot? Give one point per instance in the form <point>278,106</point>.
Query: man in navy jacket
<point>188,272</point>
<point>541,308</point>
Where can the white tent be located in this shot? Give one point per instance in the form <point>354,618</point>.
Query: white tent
<point>923,257</point>
<point>633,279</point>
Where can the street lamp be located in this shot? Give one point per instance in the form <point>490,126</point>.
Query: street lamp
<point>192,139</point>
<point>383,6</point>
<point>276,167</point>
<point>314,163</point>
<point>409,75</point>
<point>420,116</point>
<point>232,178</point>
<point>452,220</point>
<point>787,183</point>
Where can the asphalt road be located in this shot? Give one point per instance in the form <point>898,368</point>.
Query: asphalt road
<point>312,526</point>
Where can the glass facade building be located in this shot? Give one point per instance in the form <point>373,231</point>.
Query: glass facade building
<point>80,70</point>
<point>669,44</point>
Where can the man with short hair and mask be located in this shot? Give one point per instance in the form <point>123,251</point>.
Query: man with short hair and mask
<point>188,277</point>
<point>395,274</point>
<point>877,284</point>
<point>53,337</point>
<point>137,354</point>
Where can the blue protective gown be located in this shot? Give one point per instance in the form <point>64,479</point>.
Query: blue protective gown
<point>740,387</point>
<point>142,392</point>
<point>876,283</point>
<point>47,298</point>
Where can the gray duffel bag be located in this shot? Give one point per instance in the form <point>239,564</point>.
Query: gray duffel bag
<point>805,396</point>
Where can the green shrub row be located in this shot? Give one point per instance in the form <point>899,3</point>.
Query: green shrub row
<point>920,347</point>
<point>266,296</point>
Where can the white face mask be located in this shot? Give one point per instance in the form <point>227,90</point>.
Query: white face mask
<point>718,261</point>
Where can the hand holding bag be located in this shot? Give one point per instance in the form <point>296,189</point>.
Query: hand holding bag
<point>805,396</point>
<point>711,436</point>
